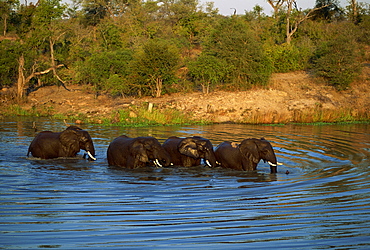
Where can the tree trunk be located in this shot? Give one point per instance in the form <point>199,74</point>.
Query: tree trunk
<point>354,7</point>
<point>21,80</point>
<point>158,87</point>
<point>354,10</point>
<point>288,31</point>
<point>5,17</point>
<point>205,87</point>
<point>53,65</point>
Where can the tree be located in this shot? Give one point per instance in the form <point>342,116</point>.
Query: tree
<point>6,10</point>
<point>338,59</point>
<point>175,10</point>
<point>9,51</point>
<point>44,34</point>
<point>208,71</point>
<point>154,65</point>
<point>106,71</point>
<point>235,42</point>
<point>327,10</point>
<point>291,27</point>
<point>354,9</point>
<point>276,5</point>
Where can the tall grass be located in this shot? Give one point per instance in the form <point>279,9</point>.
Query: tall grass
<point>314,115</point>
<point>141,116</point>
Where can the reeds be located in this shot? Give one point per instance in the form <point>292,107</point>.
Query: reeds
<point>142,116</point>
<point>314,115</point>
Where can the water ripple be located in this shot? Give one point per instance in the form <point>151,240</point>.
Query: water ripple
<point>70,203</point>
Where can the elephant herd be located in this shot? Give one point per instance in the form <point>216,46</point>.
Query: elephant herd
<point>137,152</point>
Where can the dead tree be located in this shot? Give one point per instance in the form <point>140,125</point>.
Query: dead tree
<point>276,5</point>
<point>23,81</point>
<point>292,28</point>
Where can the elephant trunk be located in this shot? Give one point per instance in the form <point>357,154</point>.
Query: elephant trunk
<point>210,159</point>
<point>273,168</point>
<point>162,158</point>
<point>90,151</point>
<point>272,161</point>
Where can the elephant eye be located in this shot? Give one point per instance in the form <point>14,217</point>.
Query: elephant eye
<point>265,150</point>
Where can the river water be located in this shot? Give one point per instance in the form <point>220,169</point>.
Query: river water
<point>323,202</point>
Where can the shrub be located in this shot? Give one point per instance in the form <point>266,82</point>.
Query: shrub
<point>100,67</point>
<point>117,85</point>
<point>8,62</point>
<point>338,60</point>
<point>237,44</point>
<point>288,57</point>
<point>208,71</point>
<point>154,66</point>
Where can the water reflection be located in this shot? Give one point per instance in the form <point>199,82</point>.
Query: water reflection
<point>71,203</point>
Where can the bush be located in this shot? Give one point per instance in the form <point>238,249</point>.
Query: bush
<point>10,53</point>
<point>364,30</point>
<point>208,71</point>
<point>100,67</point>
<point>236,43</point>
<point>288,57</point>
<point>338,60</point>
<point>154,66</point>
<point>117,85</point>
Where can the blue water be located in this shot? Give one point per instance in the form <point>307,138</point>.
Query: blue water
<point>324,201</point>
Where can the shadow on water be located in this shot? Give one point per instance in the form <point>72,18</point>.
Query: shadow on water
<point>72,203</point>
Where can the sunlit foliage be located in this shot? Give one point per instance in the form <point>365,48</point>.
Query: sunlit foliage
<point>149,48</point>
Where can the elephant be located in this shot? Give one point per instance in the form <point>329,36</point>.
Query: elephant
<point>189,151</point>
<point>49,145</point>
<point>137,152</point>
<point>246,155</point>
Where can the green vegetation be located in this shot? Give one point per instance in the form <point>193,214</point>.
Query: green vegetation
<point>137,116</point>
<point>134,116</point>
<point>137,48</point>
<point>149,48</point>
<point>338,59</point>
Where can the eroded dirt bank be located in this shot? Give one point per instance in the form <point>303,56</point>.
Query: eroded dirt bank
<point>289,97</point>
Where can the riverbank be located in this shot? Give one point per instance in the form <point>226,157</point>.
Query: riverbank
<point>288,98</point>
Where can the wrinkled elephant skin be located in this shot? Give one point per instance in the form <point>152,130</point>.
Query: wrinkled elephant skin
<point>48,145</point>
<point>189,151</point>
<point>136,152</point>
<point>246,155</point>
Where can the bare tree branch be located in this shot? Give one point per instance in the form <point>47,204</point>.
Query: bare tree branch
<point>53,66</point>
<point>276,5</point>
<point>291,30</point>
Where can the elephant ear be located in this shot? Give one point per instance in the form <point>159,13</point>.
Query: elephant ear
<point>249,149</point>
<point>189,148</point>
<point>139,153</point>
<point>70,142</point>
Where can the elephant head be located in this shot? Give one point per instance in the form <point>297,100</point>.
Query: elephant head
<point>74,138</point>
<point>148,149</point>
<point>259,149</point>
<point>137,152</point>
<point>198,148</point>
<point>67,143</point>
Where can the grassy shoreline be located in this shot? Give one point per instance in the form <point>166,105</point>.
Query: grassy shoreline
<point>137,116</point>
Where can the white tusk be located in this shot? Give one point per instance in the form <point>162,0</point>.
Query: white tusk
<point>157,163</point>
<point>208,164</point>
<point>90,155</point>
<point>279,163</point>
<point>271,164</point>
